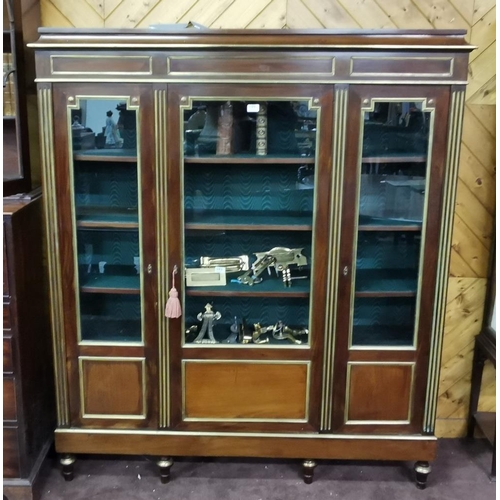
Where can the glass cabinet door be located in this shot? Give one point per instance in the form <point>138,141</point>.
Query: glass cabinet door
<point>106,201</point>
<point>393,178</point>
<point>249,184</point>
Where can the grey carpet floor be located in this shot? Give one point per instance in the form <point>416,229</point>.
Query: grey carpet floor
<point>460,472</point>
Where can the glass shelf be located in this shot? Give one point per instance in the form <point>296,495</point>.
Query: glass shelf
<point>269,287</point>
<point>249,221</point>
<point>386,283</point>
<point>367,223</point>
<point>107,155</point>
<point>395,158</point>
<point>111,218</point>
<point>250,159</point>
<point>104,283</point>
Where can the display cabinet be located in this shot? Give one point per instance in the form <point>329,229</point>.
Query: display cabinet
<point>249,239</point>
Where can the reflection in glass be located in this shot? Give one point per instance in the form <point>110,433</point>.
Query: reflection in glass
<point>106,196</point>
<point>392,192</point>
<point>248,213</point>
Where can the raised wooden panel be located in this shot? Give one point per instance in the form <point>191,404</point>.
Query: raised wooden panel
<point>402,66</point>
<point>5,269</point>
<point>100,64</point>
<point>239,390</point>
<point>112,387</point>
<point>9,399</point>
<point>7,355</point>
<point>10,452</point>
<point>262,64</point>
<point>7,323</point>
<point>379,392</point>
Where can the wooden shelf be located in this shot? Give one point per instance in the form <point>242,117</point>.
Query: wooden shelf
<point>252,159</point>
<point>103,283</point>
<point>107,155</point>
<point>395,159</point>
<point>367,223</point>
<point>269,287</point>
<point>247,221</point>
<point>103,218</point>
<point>385,283</point>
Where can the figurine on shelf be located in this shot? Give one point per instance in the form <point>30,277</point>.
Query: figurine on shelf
<point>76,123</point>
<point>235,330</point>
<point>283,332</point>
<point>208,318</point>
<point>111,133</point>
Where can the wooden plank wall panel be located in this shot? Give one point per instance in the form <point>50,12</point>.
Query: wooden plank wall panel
<point>475,207</point>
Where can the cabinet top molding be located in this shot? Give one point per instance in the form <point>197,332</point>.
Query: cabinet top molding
<point>442,40</point>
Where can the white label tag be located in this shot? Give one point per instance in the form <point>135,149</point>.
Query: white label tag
<point>253,108</point>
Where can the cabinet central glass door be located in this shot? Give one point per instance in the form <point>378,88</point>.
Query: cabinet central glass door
<point>248,177</point>
<point>391,207</point>
<point>106,201</point>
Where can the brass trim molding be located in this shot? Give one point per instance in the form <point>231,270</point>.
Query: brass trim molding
<point>339,137</point>
<point>428,106</point>
<point>330,81</point>
<point>163,269</point>
<point>254,362</point>
<point>451,176</point>
<point>379,422</point>
<point>108,359</point>
<point>46,123</point>
<point>286,435</point>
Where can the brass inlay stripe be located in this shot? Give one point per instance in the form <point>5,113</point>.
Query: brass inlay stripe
<point>340,125</point>
<point>160,110</point>
<point>166,79</point>
<point>283,435</point>
<point>254,362</point>
<point>108,359</point>
<point>451,176</point>
<point>378,363</point>
<point>53,254</point>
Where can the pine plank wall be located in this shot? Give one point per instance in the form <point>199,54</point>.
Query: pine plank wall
<point>475,207</point>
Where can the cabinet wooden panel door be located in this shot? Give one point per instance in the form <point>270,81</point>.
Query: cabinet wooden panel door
<point>392,201</point>
<point>249,237</point>
<point>104,167</point>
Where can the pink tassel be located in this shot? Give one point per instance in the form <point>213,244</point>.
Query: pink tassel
<point>173,307</point>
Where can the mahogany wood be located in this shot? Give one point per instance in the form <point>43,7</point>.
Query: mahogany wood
<point>9,399</point>
<point>379,392</point>
<point>112,387</point>
<point>213,392</point>
<point>245,391</point>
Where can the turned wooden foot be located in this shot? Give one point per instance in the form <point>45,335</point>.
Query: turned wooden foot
<point>308,470</point>
<point>422,471</point>
<point>68,466</point>
<point>165,463</point>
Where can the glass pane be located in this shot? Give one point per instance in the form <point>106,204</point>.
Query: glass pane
<point>391,208</point>
<point>248,212</point>
<point>106,197</point>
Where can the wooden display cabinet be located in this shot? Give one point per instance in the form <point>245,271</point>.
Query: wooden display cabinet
<point>304,182</point>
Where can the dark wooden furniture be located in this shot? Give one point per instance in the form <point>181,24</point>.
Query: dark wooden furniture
<point>28,390</point>
<point>21,20</point>
<point>484,349</point>
<point>316,154</point>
